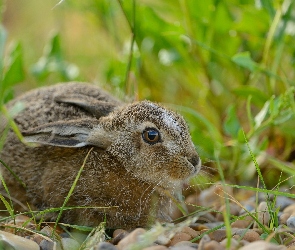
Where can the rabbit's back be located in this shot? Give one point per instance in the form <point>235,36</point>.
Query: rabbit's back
<point>35,166</point>
<point>132,155</point>
<point>40,106</point>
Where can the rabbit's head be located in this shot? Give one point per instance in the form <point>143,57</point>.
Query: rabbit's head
<point>152,143</point>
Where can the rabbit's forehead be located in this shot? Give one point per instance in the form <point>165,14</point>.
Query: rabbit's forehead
<point>146,111</point>
<point>166,118</point>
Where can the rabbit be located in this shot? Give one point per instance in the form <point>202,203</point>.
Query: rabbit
<point>137,156</point>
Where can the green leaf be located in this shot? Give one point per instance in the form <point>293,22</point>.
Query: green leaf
<point>80,228</point>
<point>3,37</point>
<point>268,5</point>
<point>15,72</point>
<point>257,96</point>
<point>231,124</point>
<point>244,60</point>
<point>53,61</point>
<point>259,118</point>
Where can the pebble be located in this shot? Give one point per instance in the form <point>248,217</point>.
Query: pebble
<point>287,216</point>
<point>234,209</point>
<point>234,244</point>
<point>156,248</point>
<point>291,222</point>
<point>218,235</point>
<point>203,241</point>
<point>188,230</point>
<point>118,235</point>
<point>186,243</point>
<point>213,245</point>
<point>283,202</point>
<point>131,238</point>
<point>191,201</point>
<point>47,245</point>
<point>244,223</point>
<point>19,221</point>
<point>182,248</point>
<point>105,246</point>
<point>178,237</point>
<point>247,234</point>
<point>15,242</point>
<point>263,245</point>
<point>69,244</point>
<point>39,237</point>
<point>263,214</point>
<point>211,197</point>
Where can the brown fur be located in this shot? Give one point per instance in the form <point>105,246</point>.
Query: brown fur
<point>123,170</point>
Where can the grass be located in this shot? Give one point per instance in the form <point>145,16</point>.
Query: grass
<point>227,66</point>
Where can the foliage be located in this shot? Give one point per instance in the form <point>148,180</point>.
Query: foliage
<point>227,66</point>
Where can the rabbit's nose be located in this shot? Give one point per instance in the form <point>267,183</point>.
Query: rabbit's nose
<point>196,162</point>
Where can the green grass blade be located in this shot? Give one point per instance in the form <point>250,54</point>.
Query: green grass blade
<point>71,190</point>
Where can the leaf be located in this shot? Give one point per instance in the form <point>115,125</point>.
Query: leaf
<point>259,118</point>
<point>80,228</point>
<point>15,72</point>
<point>3,36</point>
<point>231,124</point>
<point>53,61</point>
<point>267,4</point>
<point>257,96</point>
<point>244,60</point>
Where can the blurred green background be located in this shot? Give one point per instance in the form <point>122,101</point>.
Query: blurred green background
<point>226,65</point>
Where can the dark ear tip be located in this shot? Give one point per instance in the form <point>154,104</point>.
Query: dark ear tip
<point>59,98</point>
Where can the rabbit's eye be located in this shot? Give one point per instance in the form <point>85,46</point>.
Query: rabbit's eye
<point>151,135</point>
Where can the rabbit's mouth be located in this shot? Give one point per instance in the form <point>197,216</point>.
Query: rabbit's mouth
<point>195,163</point>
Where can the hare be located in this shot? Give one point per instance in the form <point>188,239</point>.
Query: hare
<point>138,155</point>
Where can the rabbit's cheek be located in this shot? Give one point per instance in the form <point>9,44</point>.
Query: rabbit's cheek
<point>184,168</point>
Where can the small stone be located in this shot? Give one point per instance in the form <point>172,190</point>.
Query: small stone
<point>244,223</point>
<point>130,238</point>
<point>118,235</point>
<point>47,245</point>
<point>218,235</point>
<point>290,209</point>
<point>288,212</point>
<point>283,202</point>
<point>263,214</point>
<point>182,248</point>
<point>263,245</point>
<point>193,233</point>
<point>284,217</point>
<point>213,245</point>
<point>156,248</point>
<point>203,241</point>
<point>19,220</point>
<point>291,222</point>
<point>47,230</point>
<point>15,242</point>
<point>212,224</point>
<point>69,244</point>
<point>178,237</point>
<point>234,209</point>
<point>233,243</point>
<point>249,206</point>
<point>247,234</point>
<point>118,231</point>
<point>211,197</point>
<point>175,214</point>
<point>191,201</point>
<point>105,246</point>
<point>186,243</point>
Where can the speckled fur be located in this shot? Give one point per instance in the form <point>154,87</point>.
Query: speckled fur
<point>122,169</point>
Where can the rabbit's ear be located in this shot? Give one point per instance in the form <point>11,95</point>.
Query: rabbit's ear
<point>68,134</point>
<point>90,104</point>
